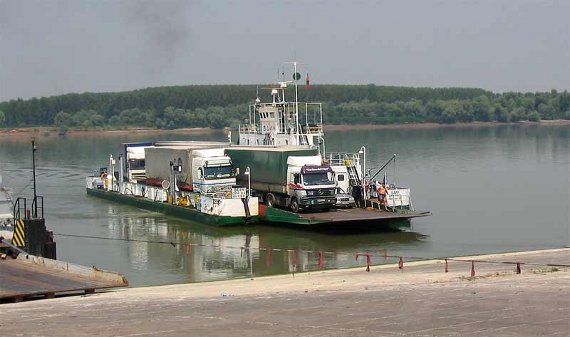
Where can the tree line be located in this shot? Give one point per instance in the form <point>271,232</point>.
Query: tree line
<point>218,106</point>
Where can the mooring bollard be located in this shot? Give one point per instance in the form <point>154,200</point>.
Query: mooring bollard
<point>368,260</point>
<point>321,260</point>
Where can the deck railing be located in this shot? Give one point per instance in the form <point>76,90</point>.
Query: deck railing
<point>342,158</point>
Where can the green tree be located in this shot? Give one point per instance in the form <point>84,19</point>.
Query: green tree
<point>87,119</point>
<point>454,111</point>
<point>216,118</point>
<point>500,114</point>
<point>223,105</point>
<point>546,111</point>
<point>62,119</point>
<point>481,108</point>
<point>534,116</point>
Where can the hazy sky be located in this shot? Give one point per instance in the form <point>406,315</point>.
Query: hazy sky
<point>55,47</point>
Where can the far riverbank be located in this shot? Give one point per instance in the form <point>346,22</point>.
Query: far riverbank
<point>44,131</point>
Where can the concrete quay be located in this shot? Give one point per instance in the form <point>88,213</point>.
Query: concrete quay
<point>420,300</point>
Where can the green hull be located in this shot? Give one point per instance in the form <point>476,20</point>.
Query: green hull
<point>172,210</point>
<point>337,218</point>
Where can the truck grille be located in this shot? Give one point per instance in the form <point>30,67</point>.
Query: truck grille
<point>138,176</point>
<point>321,192</point>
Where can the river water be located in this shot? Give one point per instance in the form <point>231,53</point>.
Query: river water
<point>490,188</point>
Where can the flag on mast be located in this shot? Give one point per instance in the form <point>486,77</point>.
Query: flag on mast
<point>385,180</point>
<point>308,83</point>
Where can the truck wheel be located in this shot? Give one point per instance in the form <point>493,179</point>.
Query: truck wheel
<point>270,200</point>
<point>295,205</point>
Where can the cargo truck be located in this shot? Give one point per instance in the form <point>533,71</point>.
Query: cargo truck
<point>134,160</point>
<point>287,177</point>
<point>205,170</point>
<point>135,163</point>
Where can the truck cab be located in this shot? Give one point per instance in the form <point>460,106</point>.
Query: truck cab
<point>212,174</point>
<point>135,160</point>
<point>310,185</point>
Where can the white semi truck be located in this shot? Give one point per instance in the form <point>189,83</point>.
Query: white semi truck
<point>201,170</point>
<point>135,158</point>
<point>287,176</point>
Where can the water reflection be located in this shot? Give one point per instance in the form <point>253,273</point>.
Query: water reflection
<point>192,252</point>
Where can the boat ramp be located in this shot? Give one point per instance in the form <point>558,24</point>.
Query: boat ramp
<point>32,277</point>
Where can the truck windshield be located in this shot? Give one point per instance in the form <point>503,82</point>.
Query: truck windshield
<point>316,179</point>
<point>136,164</point>
<point>218,172</point>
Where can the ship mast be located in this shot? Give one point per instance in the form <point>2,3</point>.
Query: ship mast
<point>296,77</point>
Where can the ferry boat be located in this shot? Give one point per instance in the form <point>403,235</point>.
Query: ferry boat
<point>265,177</point>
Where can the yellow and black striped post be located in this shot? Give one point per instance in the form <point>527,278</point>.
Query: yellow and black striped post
<point>19,237</point>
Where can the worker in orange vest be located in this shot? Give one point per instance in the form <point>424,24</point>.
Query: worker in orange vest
<point>382,194</point>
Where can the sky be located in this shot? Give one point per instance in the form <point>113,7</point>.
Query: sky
<point>50,47</point>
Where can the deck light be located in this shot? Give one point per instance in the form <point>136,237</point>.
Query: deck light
<point>248,174</point>
<point>179,168</point>
<point>363,152</point>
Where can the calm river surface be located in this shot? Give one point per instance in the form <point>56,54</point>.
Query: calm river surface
<point>491,189</point>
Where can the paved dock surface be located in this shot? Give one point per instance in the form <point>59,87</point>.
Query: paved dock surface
<point>421,300</point>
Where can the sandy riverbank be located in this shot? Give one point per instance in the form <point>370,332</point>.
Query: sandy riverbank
<point>42,132</point>
<point>437,125</point>
<point>39,132</point>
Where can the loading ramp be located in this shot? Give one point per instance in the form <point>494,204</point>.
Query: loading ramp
<point>32,277</point>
